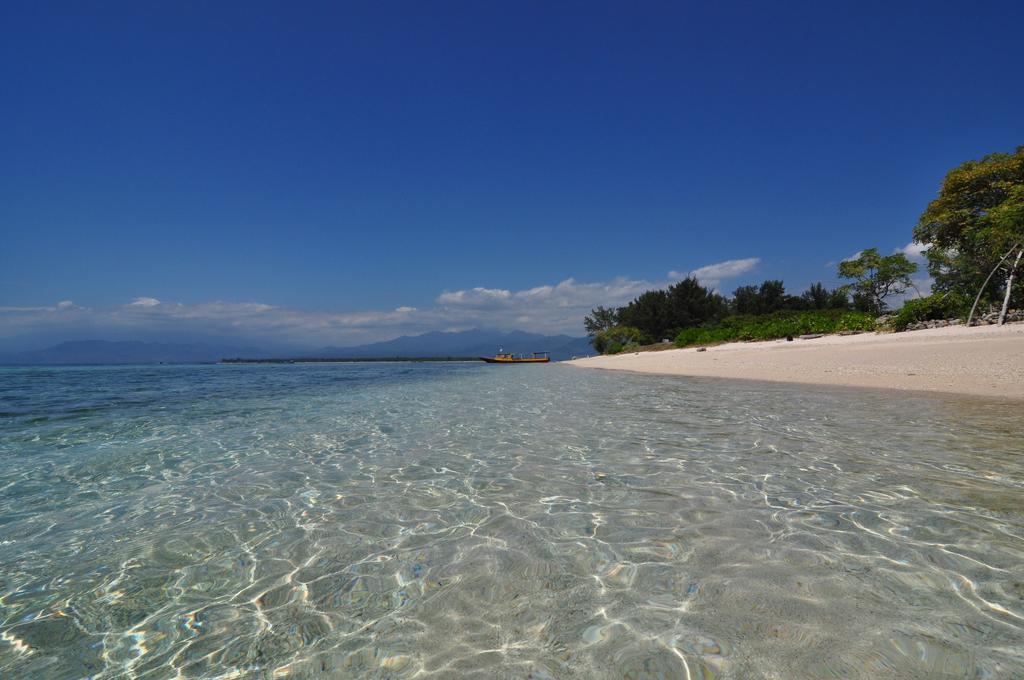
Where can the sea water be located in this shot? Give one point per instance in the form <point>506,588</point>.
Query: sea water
<point>463,520</point>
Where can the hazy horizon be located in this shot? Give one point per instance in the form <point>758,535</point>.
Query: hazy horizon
<point>240,343</point>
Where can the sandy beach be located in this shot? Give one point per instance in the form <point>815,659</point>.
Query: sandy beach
<point>983,361</point>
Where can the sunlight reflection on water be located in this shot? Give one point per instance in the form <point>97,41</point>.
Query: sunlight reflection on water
<point>455,520</point>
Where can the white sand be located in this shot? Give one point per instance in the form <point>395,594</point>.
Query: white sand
<point>985,361</point>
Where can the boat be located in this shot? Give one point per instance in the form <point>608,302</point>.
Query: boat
<point>509,358</point>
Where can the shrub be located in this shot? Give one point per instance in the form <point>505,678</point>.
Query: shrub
<point>777,325</point>
<point>613,340</point>
<point>702,336</point>
<point>949,306</point>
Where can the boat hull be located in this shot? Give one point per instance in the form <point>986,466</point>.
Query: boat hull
<point>527,360</point>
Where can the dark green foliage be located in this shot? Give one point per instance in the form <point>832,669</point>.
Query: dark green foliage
<point>937,306</point>
<point>746,300</point>
<point>816,297</point>
<point>600,319</point>
<point>649,312</point>
<point>662,313</point>
<point>820,297</point>
<point>612,340</point>
<point>863,303</point>
<point>691,304</point>
<point>839,299</point>
<point>777,325</point>
<point>771,297</point>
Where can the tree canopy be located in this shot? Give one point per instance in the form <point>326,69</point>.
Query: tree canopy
<point>600,319</point>
<point>820,297</point>
<point>659,314</point>
<point>613,340</point>
<point>976,219</point>
<point>877,277</point>
<point>691,304</point>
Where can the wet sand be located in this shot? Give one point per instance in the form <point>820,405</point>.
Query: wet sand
<point>984,361</point>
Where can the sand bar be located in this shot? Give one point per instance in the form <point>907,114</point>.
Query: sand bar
<point>983,361</point>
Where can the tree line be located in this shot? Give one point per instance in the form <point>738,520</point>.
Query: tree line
<point>662,314</point>
<point>973,234</point>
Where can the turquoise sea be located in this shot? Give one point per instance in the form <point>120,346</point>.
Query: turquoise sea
<point>464,520</point>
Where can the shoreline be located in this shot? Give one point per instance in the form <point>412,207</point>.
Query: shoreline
<point>981,361</point>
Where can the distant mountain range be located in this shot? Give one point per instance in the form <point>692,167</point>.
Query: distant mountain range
<point>470,343</point>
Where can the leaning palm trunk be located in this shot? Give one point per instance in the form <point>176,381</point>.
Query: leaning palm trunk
<point>987,279</point>
<point>1009,287</point>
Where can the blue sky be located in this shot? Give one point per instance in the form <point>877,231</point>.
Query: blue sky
<point>295,175</point>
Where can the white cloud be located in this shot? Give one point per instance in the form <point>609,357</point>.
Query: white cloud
<point>549,308</point>
<point>62,306</point>
<point>476,296</point>
<point>713,274</point>
<point>557,308</point>
<point>23,310</point>
<point>914,251</point>
<point>924,285</point>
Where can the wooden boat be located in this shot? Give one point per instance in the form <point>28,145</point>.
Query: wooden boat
<point>509,358</point>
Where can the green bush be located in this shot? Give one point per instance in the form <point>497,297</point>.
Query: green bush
<point>613,340</point>
<point>949,306</point>
<point>703,336</point>
<point>777,325</point>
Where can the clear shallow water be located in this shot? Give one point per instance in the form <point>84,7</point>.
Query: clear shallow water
<point>399,520</point>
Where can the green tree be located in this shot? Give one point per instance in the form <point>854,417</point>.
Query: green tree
<point>650,312</point>
<point>1005,227</point>
<point>820,297</point>
<point>773,296</point>
<point>691,304</point>
<point>862,302</point>
<point>613,340</point>
<point>600,319</point>
<point>877,277</point>
<point>769,297</point>
<point>817,297</point>
<point>663,313</point>
<point>839,299</point>
<point>976,220</point>
<point>746,300</point>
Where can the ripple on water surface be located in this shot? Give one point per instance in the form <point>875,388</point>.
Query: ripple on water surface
<point>535,522</point>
